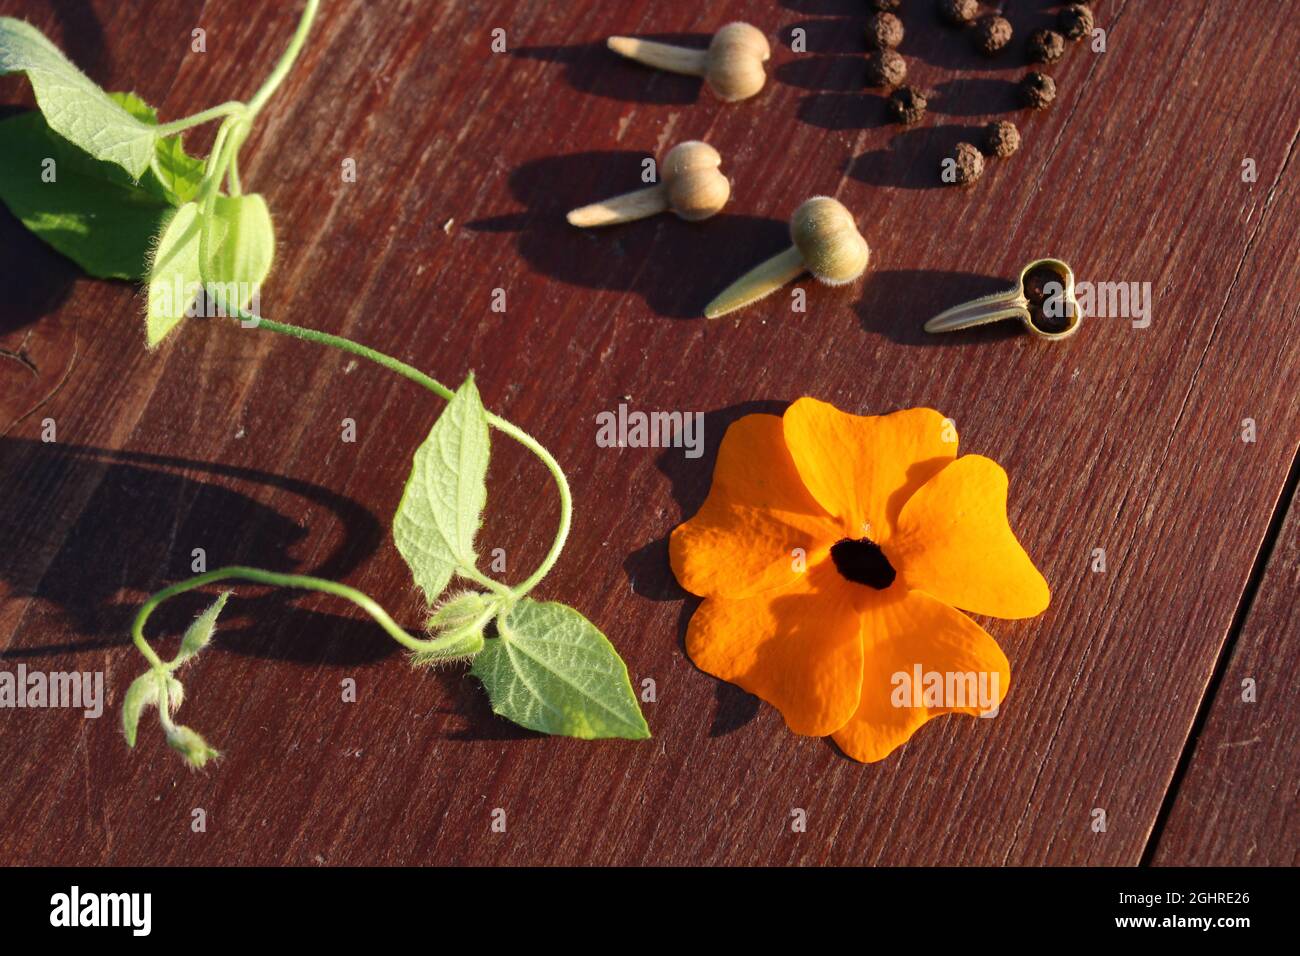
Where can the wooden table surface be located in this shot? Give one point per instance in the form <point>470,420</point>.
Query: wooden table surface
<point>1128,693</point>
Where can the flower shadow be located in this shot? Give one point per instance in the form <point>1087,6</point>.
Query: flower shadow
<point>649,572</point>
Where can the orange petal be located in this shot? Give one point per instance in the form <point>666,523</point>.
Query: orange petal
<point>862,469</point>
<point>799,648</point>
<point>758,512</point>
<point>913,631</point>
<point>954,543</point>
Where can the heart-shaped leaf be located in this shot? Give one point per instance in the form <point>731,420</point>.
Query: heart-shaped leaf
<point>552,670</point>
<point>88,209</point>
<point>442,505</point>
<point>74,106</point>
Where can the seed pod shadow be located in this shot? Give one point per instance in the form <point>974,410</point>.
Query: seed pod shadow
<point>591,68</point>
<point>644,257</point>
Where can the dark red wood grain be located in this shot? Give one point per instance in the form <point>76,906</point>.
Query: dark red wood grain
<point>1121,438</point>
<point>1237,800</point>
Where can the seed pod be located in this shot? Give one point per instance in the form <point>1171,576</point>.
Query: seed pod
<point>1001,139</point>
<point>992,34</point>
<point>1043,299</point>
<point>969,164</point>
<point>1045,46</point>
<point>1037,90</point>
<point>732,66</point>
<point>1075,21</point>
<point>959,13</point>
<point>826,242</point>
<point>884,31</point>
<point>907,105</point>
<point>691,185</point>
<point>885,68</point>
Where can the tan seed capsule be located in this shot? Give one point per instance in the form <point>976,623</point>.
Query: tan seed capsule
<point>826,243</point>
<point>691,185</point>
<point>733,66</point>
<point>1043,299</point>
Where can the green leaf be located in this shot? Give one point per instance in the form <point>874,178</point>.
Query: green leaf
<point>237,250</point>
<point>442,505</point>
<point>241,247</point>
<point>552,670</point>
<point>192,747</point>
<point>144,692</point>
<point>75,107</point>
<point>199,633</point>
<point>174,278</point>
<point>174,176</point>
<point>177,174</point>
<point>175,694</point>
<point>91,211</point>
<point>88,209</point>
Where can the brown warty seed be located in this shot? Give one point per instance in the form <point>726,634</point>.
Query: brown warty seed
<point>970,164</point>
<point>1001,139</point>
<point>885,68</point>
<point>959,12</point>
<point>1075,21</point>
<point>992,33</point>
<point>884,31</point>
<point>1045,46</point>
<point>907,105</point>
<point>1037,90</point>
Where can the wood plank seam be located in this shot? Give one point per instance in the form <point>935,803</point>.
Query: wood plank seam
<point>1191,388</point>
<point>1287,501</point>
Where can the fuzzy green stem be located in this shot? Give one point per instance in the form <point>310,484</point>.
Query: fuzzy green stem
<point>233,108</point>
<point>258,576</point>
<point>237,137</point>
<point>286,60</point>
<point>500,424</point>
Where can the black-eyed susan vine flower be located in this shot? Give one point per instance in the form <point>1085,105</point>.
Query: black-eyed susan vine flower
<point>833,552</point>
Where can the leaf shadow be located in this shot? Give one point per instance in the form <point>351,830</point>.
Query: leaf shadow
<point>143,516</point>
<point>82,36</point>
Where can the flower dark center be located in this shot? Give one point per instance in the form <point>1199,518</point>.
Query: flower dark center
<point>862,562</point>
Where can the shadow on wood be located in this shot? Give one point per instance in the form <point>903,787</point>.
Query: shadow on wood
<point>645,257</point>
<point>841,111</point>
<point>913,158</point>
<point>594,68</point>
<point>897,303</point>
<point>126,541</point>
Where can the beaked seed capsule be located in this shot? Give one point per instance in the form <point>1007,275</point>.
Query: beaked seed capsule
<point>825,241</point>
<point>691,185</point>
<point>734,65</point>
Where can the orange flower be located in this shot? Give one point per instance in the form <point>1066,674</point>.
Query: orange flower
<point>832,552</point>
